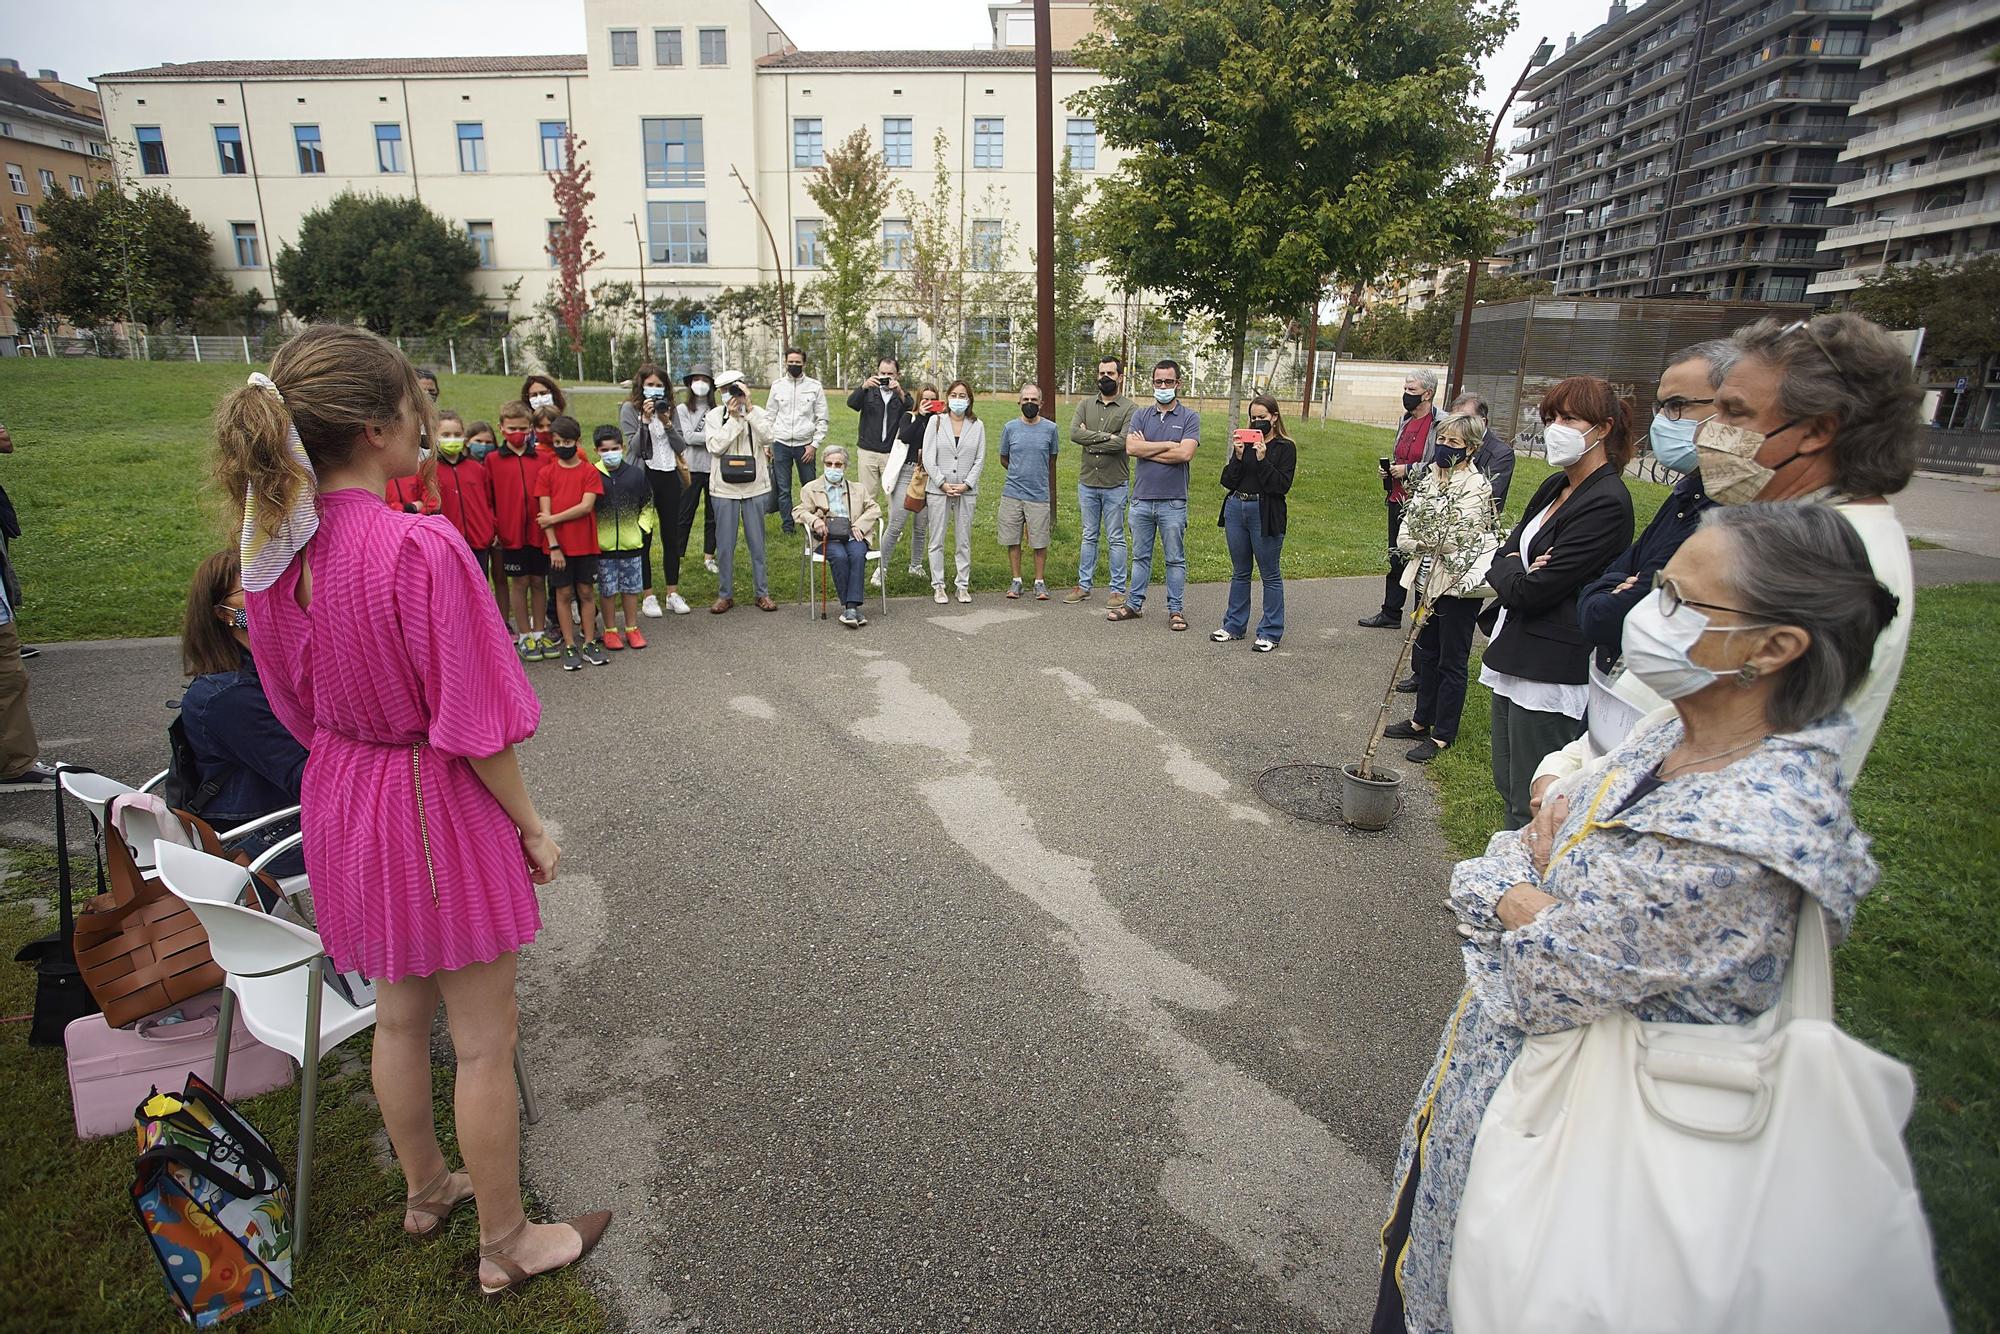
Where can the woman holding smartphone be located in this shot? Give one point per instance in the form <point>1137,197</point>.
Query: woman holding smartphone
<point>1257,476</point>
<point>928,404</point>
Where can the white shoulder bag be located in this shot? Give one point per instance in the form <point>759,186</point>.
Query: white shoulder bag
<point>1696,1179</point>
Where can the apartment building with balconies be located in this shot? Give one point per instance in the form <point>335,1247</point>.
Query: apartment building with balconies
<point>1925,183</point>
<point>1689,148</point>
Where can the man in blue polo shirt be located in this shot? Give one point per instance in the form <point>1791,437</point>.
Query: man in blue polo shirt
<point>1161,440</point>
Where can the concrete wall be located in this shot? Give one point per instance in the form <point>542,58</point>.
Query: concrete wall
<point>1371,392</point>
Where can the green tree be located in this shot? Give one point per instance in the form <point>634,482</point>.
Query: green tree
<point>103,256</point>
<point>390,263</point>
<point>1075,306</point>
<point>1274,143</point>
<point>1387,333</point>
<point>852,190</point>
<point>1956,305</point>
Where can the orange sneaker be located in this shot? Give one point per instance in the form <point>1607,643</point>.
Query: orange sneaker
<point>613,640</point>
<point>633,639</point>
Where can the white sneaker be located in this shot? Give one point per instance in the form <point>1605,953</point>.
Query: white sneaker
<point>651,606</point>
<point>965,595</point>
<point>677,604</point>
<point>916,571</point>
<point>709,563</point>
<point>875,579</point>
<point>938,595</point>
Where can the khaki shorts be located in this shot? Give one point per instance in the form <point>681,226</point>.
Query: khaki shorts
<point>1017,516</point>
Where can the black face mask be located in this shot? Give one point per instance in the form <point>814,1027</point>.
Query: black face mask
<point>794,371</point>
<point>1447,457</point>
<point>1106,386</point>
<point>565,451</point>
<point>1264,424</point>
<point>1031,410</point>
<point>1411,401</point>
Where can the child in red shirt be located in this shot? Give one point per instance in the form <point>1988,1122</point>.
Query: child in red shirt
<point>513,469</point>
<point>567,493</point>
<point>465,493</point>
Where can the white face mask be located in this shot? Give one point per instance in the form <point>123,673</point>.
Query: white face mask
<point>1657,646</point>
<point>958,406</point>
<point>699,388</point>
<point>1565,444</point>
<point>542,401</point>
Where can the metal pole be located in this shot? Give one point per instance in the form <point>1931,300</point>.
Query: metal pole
<point>196,340</point>
<point>452,345</point>
<point>645,313</point>
<point>777,258</point>
<point>1456,378</point>
<point>246,349</point>
<point>505,369</point>
<point>1045,223</point>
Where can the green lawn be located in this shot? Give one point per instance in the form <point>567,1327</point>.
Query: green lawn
<point>111,463</point>
<point>1920,976</point>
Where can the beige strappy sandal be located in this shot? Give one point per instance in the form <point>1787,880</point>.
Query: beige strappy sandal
<point>427,1204</point>
<point>588,1226</point>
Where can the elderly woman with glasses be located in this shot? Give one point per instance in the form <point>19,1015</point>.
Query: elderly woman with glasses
<point>1673,890</point>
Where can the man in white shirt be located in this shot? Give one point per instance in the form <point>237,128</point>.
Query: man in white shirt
<point>1827,411</point>
<point>797,409</point>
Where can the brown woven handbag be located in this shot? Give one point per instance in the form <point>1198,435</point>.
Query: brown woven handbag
<point>913,499</point>
<point>140,948</point>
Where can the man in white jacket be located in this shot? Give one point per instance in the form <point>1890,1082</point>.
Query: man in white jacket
<point>797,409</point>
<point>1824,410</point>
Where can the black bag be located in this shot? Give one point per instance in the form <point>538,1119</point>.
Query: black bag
<point>839,529</point>
<point>738,468</point>
<point>60,993</point>
<point>185,788</point>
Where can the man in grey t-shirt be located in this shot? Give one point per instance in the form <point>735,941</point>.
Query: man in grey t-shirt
<point>1027,448</point>
<point>1161,439</point>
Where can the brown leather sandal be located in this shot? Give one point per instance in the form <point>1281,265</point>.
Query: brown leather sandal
<point>426,1203</point>
<point>590,1227</point>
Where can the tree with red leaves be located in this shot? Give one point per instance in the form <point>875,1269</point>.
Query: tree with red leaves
<point>570,244</point>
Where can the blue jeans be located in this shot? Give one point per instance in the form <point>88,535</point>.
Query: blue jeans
<point>1102,506</point>
<point>1243,525</point>
<point>849,562</point>
<point>784,458</point>
<point>1168,518</point>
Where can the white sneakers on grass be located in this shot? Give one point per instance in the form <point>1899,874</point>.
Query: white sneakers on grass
<point>651,607</point>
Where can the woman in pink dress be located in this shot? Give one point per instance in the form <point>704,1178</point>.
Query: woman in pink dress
<point>383,653</point>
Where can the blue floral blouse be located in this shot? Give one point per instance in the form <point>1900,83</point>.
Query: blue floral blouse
<point>1682,909</point>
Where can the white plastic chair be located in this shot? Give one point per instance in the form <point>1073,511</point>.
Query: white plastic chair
<point>302,1016</point>
<point>97,792</point>
<point>812,557</point>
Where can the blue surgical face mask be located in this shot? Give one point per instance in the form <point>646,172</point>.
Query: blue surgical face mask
<point>1673,442</point>
<point>959,405</point>
<point>654,391</point>
<point>613,458</point>
<point>1164,395</point>
<point>479,449</point>
<point>836,475</point>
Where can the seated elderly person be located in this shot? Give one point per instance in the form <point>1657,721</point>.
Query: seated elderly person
<point>1812,410</point>
<point>1673,890</point>
<point>841,513</point>
<point>248,765</point>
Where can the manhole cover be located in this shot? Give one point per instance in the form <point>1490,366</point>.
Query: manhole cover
<point>1307,791</point>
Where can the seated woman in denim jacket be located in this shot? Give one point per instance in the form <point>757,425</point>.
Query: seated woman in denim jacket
<point>1674,889</point>
<point>238,742</point>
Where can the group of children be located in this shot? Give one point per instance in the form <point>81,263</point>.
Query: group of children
<point>554,530</point>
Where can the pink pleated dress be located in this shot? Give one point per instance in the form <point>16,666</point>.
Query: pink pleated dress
<point>399,671</point>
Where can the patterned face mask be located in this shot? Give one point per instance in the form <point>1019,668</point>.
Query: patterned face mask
<point>1727,455</point>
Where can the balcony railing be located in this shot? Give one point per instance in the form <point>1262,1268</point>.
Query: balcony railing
<point>1798,173</point>
<point>1777,13</point>
<point>1916,224</point>
<point>1901,176</point>
<point>1883,136</point>
<point>1837,47</point>
<point>1744,140</point>
<point>1783,252</point>
<point>1791,89</point>
<point>1798,215</point>
<point>1645,239</point>
<point>1949,24</point>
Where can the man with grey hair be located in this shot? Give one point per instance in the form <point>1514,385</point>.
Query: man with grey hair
<point>1812,411</point>
<point>1412,447</point>
<point>1495,459</point>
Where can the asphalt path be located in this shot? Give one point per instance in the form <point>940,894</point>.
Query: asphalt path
<point>951,972</point>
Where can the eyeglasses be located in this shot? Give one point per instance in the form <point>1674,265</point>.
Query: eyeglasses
<point>1672,408</point>
<point>1671,601</point>
<point>1807,326</point>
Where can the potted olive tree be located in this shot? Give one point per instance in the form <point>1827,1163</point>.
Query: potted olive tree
<point>1454,531</point>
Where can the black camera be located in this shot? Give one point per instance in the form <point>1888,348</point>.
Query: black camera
<point>736,390</point>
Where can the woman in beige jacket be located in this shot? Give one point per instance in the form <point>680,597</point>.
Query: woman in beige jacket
<point>1449,537</point>
<point>739,439</point>
<point>841,515</point>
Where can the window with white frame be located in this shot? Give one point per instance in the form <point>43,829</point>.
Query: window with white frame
<point>666,46</point>
<point>76,186</point>
<point>481,235</point>
<point>152,150</point>
<point>245,236</point>
<point>989,237</point>
<point>673,151</point>
<point>989,142</point>
<point>553,239</point>
<point>17,179</point>
<point>554,155</point>
<point>899,142</point>
<point>48,182</point>
<point>624,47</point>
<point>808,142</point>
<point>26,216</point>
<point>898,243</point>
<point>714,46</point>
<point>389,149</point>
<point>677,232</point>
<point>229,149</point>
<point>805,243</point>
<point>312,154</point>
<point>1081,140</point>
<point>471,145</point>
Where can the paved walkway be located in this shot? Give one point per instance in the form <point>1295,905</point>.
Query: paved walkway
<point>1962,513</point>
<point>951,971</point>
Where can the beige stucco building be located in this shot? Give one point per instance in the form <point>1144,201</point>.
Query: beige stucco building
<point>51,143</point>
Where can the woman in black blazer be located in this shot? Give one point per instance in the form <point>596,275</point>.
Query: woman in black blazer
<point>1538,661</point>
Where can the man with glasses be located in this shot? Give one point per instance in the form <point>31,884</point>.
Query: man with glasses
<point>1819,411</point>
<point>1161,440</point>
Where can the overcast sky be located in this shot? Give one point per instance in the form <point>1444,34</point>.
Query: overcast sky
<point>82,38</point>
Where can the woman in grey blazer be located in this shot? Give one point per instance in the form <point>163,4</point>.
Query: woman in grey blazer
<point>954,449</point>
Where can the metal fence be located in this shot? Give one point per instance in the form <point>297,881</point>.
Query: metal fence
<point>469,356</point>
<point>1968,452</point>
